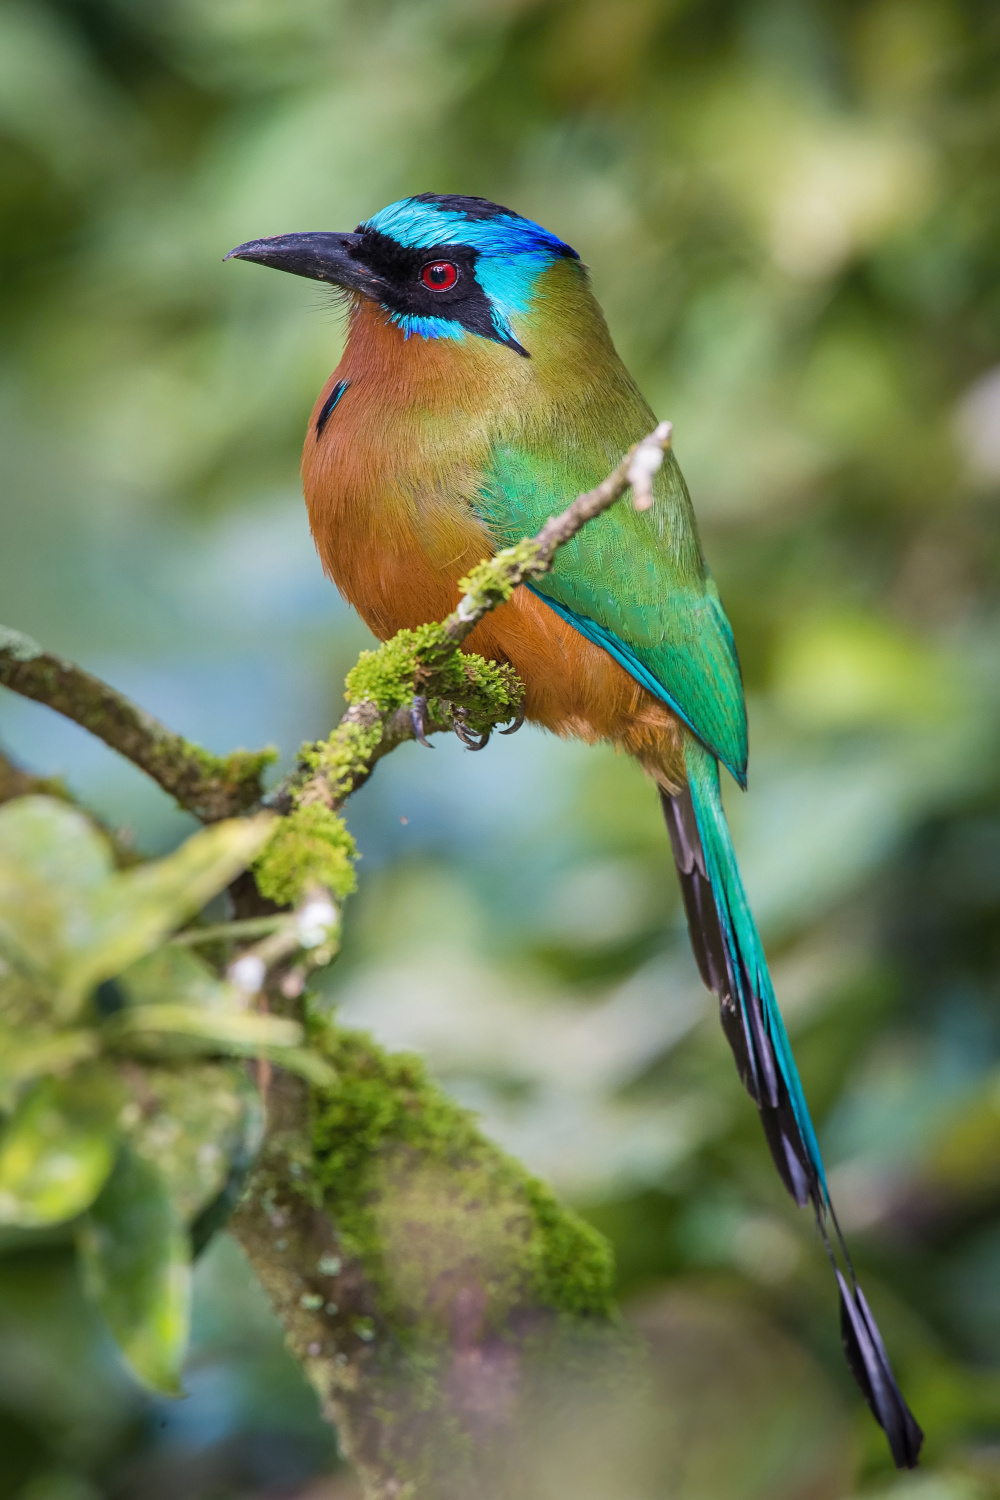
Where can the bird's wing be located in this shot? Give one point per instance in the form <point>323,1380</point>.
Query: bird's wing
<point>634,582</point>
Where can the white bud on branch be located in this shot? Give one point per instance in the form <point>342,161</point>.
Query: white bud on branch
<point>644,463</point>
<point>316,920</point>
<point>247,973</point>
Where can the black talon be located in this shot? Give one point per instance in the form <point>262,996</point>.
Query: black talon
<point>418,708</point>
<point>466,735</point>
<point>458,724</point>
<point>513,728</point>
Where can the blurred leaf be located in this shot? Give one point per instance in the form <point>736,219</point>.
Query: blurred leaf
<point>69,920</point>
<point>136,1260</point>
<point>24,1003</point>
<point>309,1065</point>
<point>244,1033</point>
<point>241,1031</point>
<point>58,1147</point>
<point>190,1124</point>
<point>174,972</point>
<point>134,910</point>
<point>23,1057</point>
<point>223,1025</point>
<point>51,865</point>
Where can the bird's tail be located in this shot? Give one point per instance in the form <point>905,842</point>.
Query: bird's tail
<point>731,959</point>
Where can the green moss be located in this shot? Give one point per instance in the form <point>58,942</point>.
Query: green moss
<point>427,661</point>
<point>492,582</point>
<point>310,847</point>
<point>245,765</point>
<point>344,757</point>
<point>212,785</point>
<point>241,767</point>
<point>429,1206</point>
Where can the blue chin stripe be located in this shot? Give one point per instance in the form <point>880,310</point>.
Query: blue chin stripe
<point>448,328</point>
<point>426,328</point>
<point>626,658</point>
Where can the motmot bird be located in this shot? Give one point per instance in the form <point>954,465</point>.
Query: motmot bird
<point>479,391</point>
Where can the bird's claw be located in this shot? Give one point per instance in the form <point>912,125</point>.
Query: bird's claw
<point>418,718</point>
<point>515,726</point>
<point>468,736</point>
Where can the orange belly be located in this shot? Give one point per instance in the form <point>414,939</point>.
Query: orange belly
<point>396,534</point>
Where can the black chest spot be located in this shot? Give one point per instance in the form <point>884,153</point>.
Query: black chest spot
<point>326,411</point>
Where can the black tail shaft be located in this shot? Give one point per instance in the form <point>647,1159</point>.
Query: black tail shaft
<point>742,1012</point>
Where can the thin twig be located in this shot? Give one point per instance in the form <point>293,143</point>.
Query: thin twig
<point>194,937</point>
<point>535,558</point>
<point>309,933</point>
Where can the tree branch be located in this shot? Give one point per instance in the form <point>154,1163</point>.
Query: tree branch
<point>427,1283</point>
<point>15,782</point>
<point>210,786</point>
<point>431,1288</point>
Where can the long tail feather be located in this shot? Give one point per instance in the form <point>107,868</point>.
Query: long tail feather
<point>731,960</point>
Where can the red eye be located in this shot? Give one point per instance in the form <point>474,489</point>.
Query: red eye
<point>439,275</point>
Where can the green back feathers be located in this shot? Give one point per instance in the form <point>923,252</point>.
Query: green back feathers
<point>634,582</point>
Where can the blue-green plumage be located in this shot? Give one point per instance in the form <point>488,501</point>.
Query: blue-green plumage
<point>770,1066</point>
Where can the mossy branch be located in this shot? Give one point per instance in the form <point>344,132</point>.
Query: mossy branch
<point>430,1286</point>
<point>423,1277</point>
<point>425,663</point>
<point>211,786</point>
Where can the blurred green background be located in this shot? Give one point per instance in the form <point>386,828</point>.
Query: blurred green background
<point>792,215</point>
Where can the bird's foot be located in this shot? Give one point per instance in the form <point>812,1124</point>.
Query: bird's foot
<point>466,735</point>
<point>418,718</point>
<point>515,726</point>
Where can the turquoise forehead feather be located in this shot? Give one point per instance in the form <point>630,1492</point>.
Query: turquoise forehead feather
<point>512,252</point>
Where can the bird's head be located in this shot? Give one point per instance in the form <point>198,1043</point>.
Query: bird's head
<point>442,267</point>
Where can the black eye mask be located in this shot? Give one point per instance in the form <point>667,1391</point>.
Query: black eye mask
<point>398,269</point>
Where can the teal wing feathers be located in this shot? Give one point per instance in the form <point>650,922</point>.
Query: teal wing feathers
<point>635,582</point>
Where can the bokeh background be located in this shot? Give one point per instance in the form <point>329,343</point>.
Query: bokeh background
<point>792,215</point>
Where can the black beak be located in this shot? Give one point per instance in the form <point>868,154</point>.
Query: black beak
<point>321,257</point>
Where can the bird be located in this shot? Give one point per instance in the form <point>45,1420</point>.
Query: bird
<point>478,391</point>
